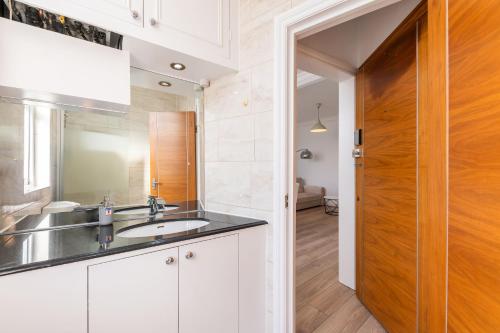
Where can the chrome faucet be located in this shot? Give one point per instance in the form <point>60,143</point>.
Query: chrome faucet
<point>155,204</point>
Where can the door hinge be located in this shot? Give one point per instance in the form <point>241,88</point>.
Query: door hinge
<point>286,200</point>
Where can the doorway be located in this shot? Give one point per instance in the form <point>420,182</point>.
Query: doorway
<point>325,279</point>
<point>287,224</point>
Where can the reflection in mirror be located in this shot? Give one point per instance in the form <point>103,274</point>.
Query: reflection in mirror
<point>55,153</point>
<point>150,150</point>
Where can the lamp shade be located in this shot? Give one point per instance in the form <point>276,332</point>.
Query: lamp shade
<point>318,127</point>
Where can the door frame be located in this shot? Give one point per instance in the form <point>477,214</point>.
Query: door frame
<point>299,22</point>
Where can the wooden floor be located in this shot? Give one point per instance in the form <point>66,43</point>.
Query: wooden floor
<point>324,305</point>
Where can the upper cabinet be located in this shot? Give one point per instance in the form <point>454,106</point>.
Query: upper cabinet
<point>204,24</point>
<point>127,11</point>
<point>202,33</point>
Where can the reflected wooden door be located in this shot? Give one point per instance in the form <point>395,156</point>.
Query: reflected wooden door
<point>387,180</point>
<point>173,155</point>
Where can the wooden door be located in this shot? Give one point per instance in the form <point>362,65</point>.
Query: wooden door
<point>208,286</point>
<point>173,155</point>
<point>474,167</point>
<point>387,180</point>
<point>137,294</point>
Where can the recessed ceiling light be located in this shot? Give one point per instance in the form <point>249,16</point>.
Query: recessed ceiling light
<point>177,66</point>
<point>164,84</point>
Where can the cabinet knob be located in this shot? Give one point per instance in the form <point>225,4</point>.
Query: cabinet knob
<point>152,22</point>
<point>135,14</point>
<point>170,260</point>
<point>189,255</point>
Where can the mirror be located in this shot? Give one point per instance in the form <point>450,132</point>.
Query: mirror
<point>56,153</point>
<point>128,156</point>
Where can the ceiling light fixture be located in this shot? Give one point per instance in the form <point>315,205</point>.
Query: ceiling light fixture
<point>177,66</point>
<point>318,127</point>
<point>165,84</point>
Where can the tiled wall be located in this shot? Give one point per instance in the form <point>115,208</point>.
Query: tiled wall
<point>14,203</point>
<point>239,125</point>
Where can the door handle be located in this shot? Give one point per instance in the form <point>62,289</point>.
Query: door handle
<point>154,183</point>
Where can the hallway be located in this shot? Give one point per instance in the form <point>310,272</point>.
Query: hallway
<point>324,305</point>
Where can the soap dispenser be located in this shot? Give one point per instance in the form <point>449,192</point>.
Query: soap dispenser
<point>106,211</point>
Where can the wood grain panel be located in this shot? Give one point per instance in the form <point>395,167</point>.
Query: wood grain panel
<point>173,155</point>
<point>390,182</point>
<point>432,168</point>
<point>474,166</point>
<point>192,193</point>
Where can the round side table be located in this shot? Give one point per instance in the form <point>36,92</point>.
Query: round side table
<point>331,205</point>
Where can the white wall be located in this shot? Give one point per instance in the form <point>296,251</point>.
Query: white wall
<point>360,37</point>
<point>322,169</point>
<point>238,124</point>
<point>347,189</point>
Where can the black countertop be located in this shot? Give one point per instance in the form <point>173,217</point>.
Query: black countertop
<point>81,238</point>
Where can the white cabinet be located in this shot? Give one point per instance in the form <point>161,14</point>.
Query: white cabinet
<point>136,294</point>
<point>208,286</point>
<point>187,289</point>
<point>205,24</point>
<point>116,15</point>
<point>127,11</point>
<point>44,300</point>
<point>201,29</point>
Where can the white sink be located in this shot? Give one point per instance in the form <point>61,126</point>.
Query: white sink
<point>164,228</point>
<point>143,211</point>
<point>60,207</point>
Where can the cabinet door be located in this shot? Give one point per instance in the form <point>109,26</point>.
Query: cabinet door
<point>129,11</point>
<point>208,286</point>
<point>136,294</point>
<point>204,24</point>
<point>96,12</point>
<point>44,300</point>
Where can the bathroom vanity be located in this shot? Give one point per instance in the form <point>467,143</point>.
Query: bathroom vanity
<point>174,269</point>
<point>78,278</point>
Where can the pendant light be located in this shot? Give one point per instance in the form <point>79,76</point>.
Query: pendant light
<point>318,127</point>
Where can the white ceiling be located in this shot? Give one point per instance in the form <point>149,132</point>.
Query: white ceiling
<point>325,92</point>
<point>353,42</point>
<point>149,80</point>
<point>157,59</point>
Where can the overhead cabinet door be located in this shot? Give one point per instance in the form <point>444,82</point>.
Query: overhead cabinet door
<point>96,11</point>
<point>208,286</point>
<point>191,22</point>
<point>136,294</point>
<point>128,11</point>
